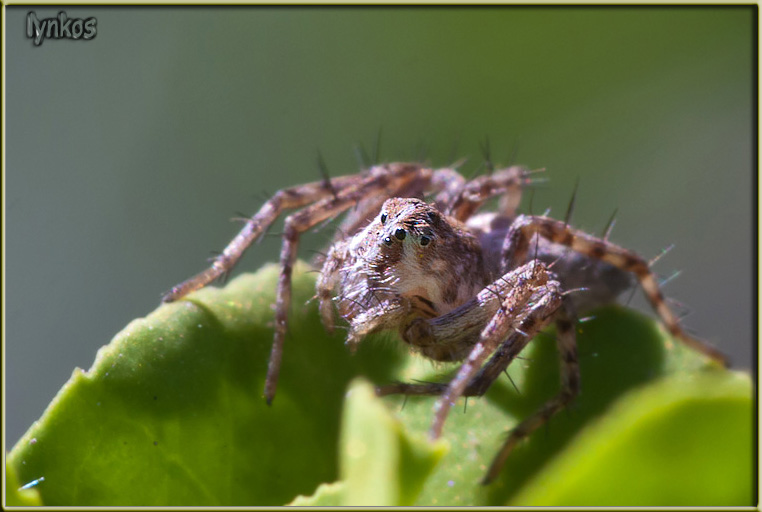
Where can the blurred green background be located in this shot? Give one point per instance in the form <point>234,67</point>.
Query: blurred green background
<point>127,154</point>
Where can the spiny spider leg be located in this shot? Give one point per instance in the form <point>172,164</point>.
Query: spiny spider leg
<point>450,184</point>
<point>498,363</point>
<point>426,181</point>
<point>546,306</point>
<point>567,348</point>
<point>294,197</point>
<point>530,300</point>
<point>418,389</point>
<point>516,246</point>
<point>327,281</point>
<point>506,182</point>
<point>478,386</point>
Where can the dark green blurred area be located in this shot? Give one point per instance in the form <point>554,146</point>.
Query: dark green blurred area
<point>127,154</point>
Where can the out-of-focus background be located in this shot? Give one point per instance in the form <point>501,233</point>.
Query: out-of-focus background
<point>127,154</point>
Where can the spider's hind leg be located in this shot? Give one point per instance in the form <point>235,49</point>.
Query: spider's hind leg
<point>517,245</point>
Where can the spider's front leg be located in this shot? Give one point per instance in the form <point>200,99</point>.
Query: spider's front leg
<point>288,198</point>
<point>487,324</point>
<point>328,281</point>
<point>500,320</point>
<point>528,301</point>
<point>517,307</point>
<point>570,377</point>
<point>479,384</point>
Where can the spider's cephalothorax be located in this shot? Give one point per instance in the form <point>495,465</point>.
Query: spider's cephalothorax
<point>418,253</point>
<point>410,262</point>
<point>455,285</point>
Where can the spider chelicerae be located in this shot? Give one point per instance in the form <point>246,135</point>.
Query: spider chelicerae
<point>456,284</point>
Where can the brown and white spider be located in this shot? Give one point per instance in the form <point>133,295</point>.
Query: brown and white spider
<point>456,285</point>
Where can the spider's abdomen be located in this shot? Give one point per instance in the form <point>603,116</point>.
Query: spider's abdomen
<point>600,283</point>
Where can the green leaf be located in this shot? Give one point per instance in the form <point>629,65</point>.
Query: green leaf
<point>381,463</point>
<point>683,440</point>
<point>171,414</point>
<point>326,495</point>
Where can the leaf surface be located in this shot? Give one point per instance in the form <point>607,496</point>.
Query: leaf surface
<point>171,413</point>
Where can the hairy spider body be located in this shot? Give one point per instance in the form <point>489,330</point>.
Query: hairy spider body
<point>408,263</point>
<point>455,285</point>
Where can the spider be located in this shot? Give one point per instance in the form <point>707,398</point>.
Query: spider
<point>457,285</point>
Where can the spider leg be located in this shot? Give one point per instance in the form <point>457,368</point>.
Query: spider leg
<point>454,335</point>
<point>328,280</point>
<point>446,182</point>
<point>369,207</point>
<point>450,184</point>
<point>507,182</point>
<point>530,301</point>
<point>288,198</point>
<point>497,364</point>
<point>567,348</point>
<point>406,388</point>
<point>516,247</point>
<point>479,385</point>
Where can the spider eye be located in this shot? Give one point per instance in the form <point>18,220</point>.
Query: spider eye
<point>383,218</point>
<point>425,240</point>
<point>388,241</point>
<point>400,234</point>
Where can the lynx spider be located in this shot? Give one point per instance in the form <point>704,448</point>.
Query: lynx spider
<point>456,285</point>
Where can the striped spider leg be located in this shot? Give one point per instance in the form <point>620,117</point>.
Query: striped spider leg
<point>517,245</point>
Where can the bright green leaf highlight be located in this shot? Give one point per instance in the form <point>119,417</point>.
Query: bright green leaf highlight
<point>15,495</point>
<point>380,463</point>
<point>326,495</point>
<point>171,413</point>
